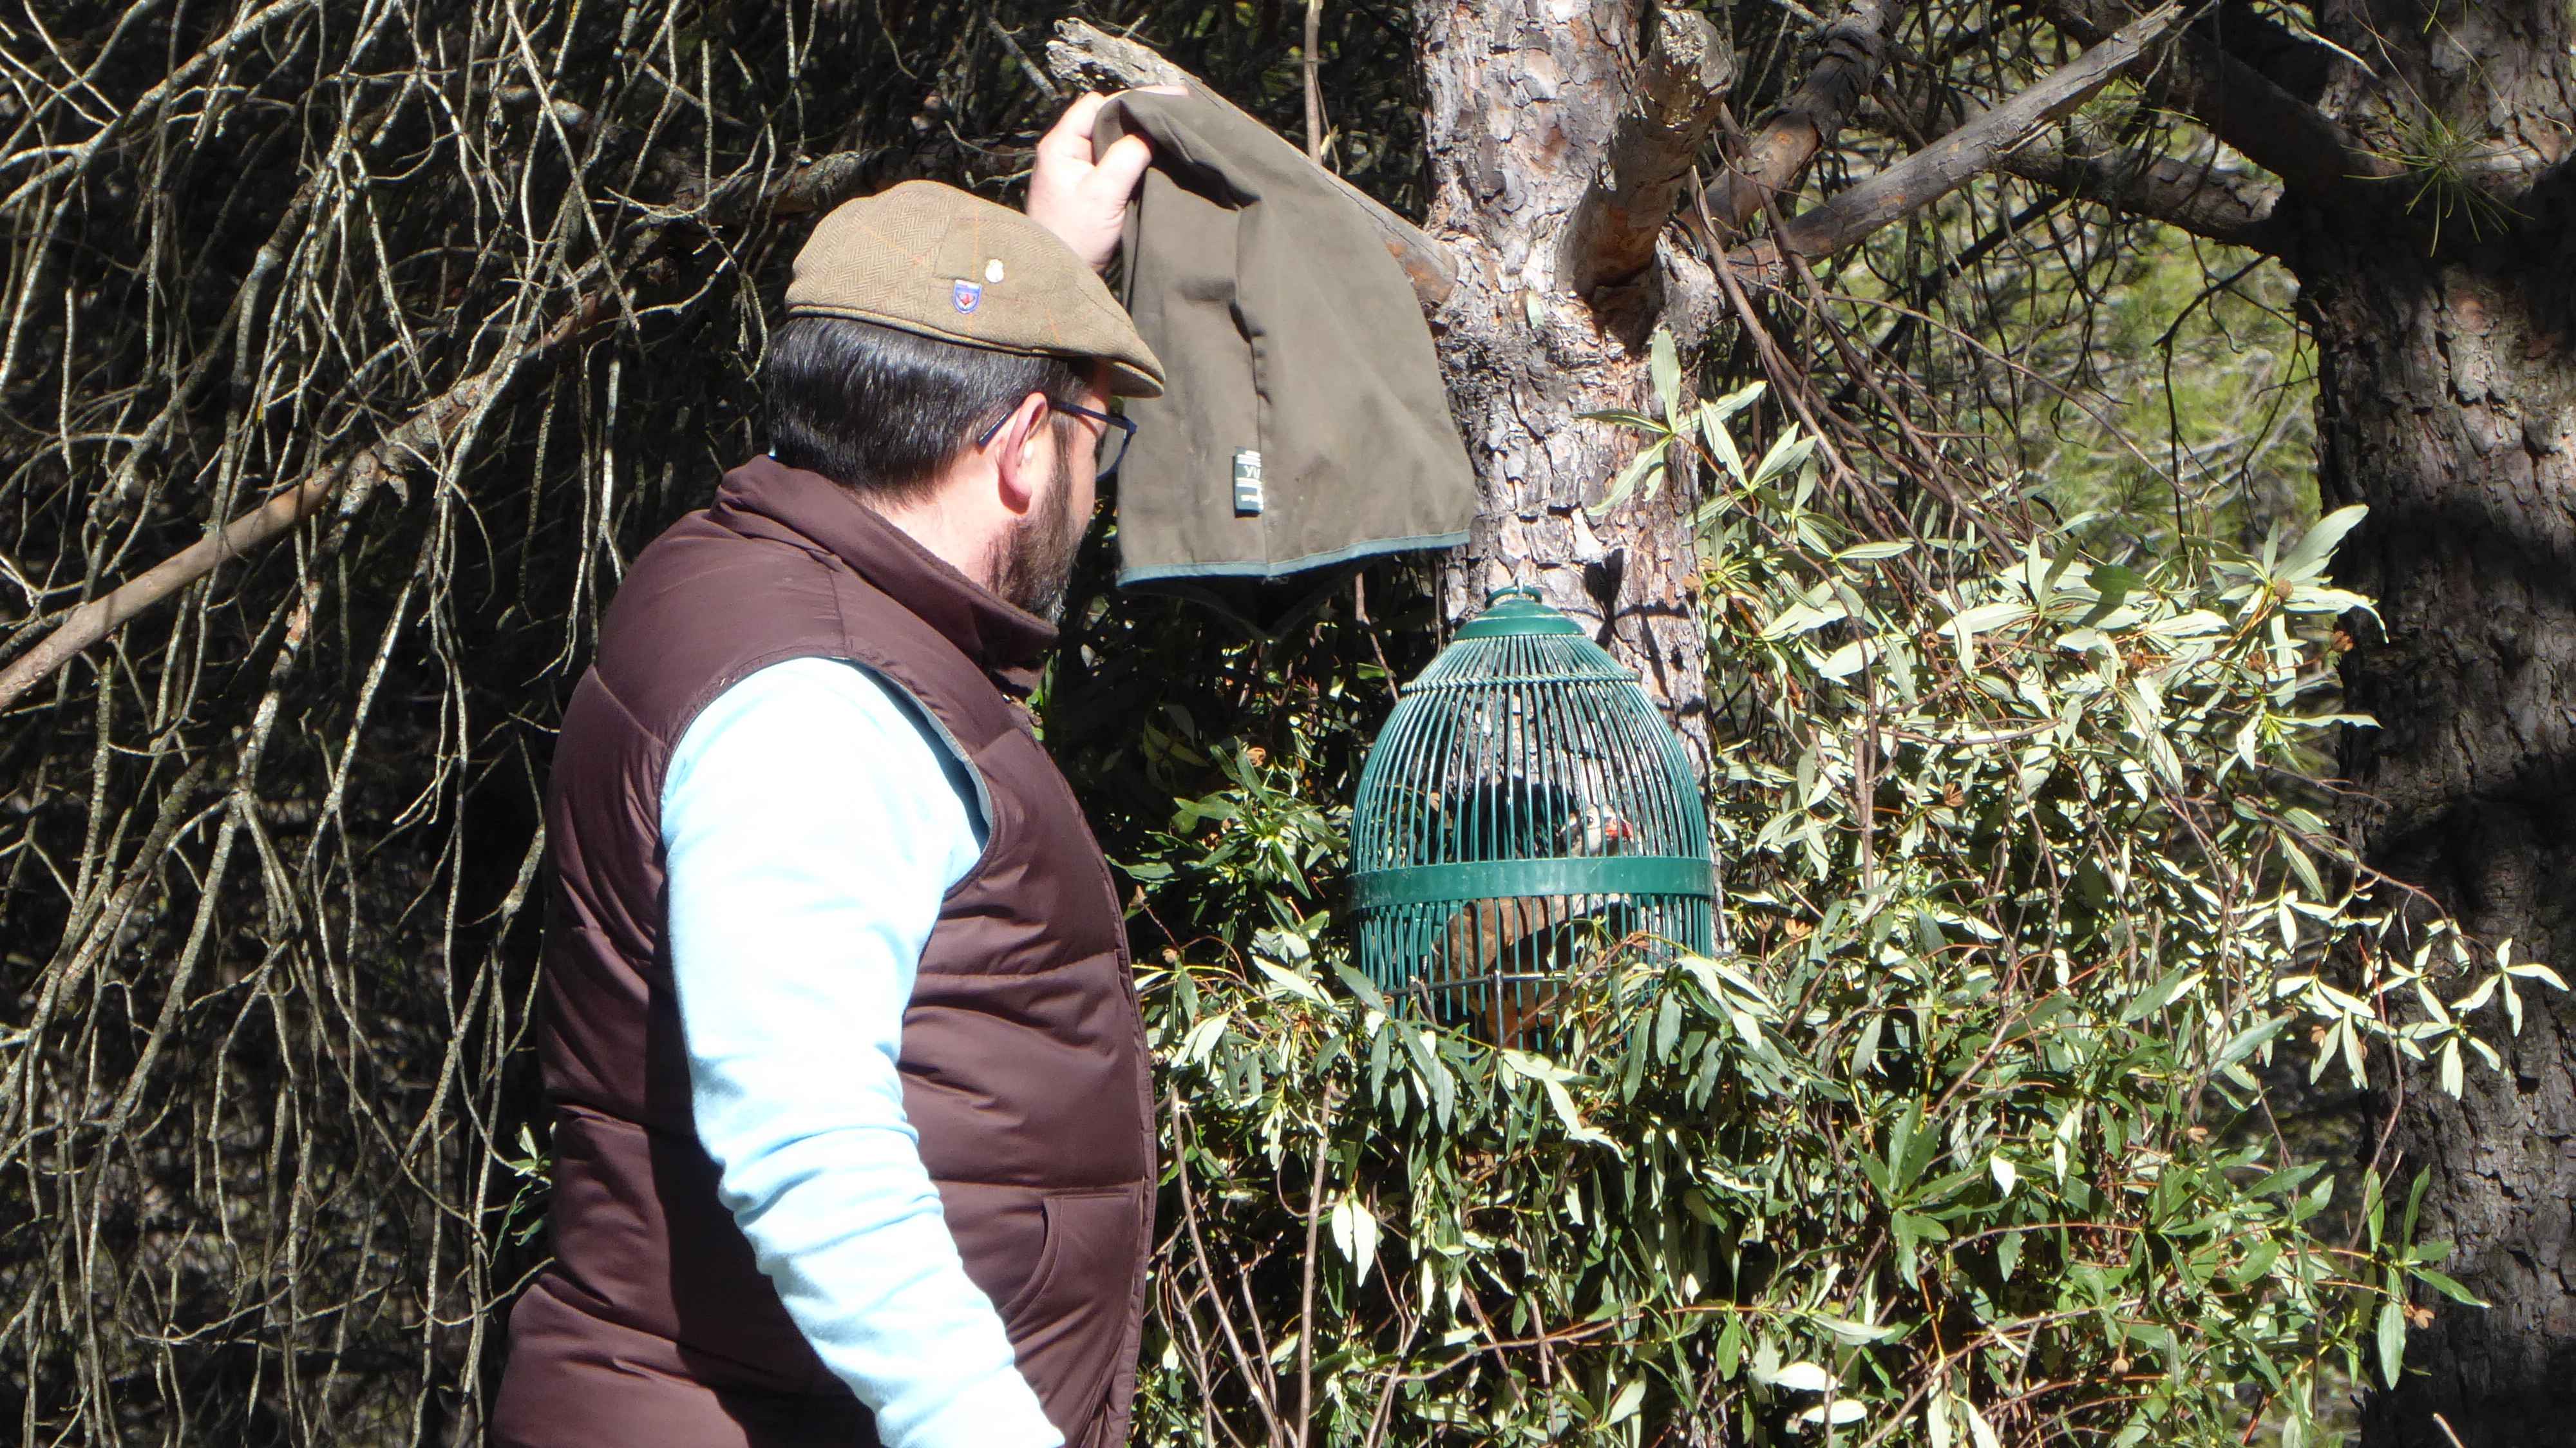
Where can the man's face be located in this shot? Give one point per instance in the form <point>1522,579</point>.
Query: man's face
<point>1036,560</point>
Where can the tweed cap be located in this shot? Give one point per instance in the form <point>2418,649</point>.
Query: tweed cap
<point>932,260</point>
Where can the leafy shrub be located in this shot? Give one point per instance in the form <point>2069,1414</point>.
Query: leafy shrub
<point>1960,1141</point>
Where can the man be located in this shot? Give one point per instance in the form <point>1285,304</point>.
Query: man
<point>852,1134</point>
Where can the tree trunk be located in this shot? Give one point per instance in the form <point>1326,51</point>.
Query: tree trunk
<point>2448,405</point>
<point>1524,99</point>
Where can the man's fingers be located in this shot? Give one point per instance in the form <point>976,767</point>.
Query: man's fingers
<point>1071,132</point>
<point>1124,161</point>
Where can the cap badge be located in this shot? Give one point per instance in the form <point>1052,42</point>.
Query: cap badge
<point>993,270</point>
<point>967,295</point>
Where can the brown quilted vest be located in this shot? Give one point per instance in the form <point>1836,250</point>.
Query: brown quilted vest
<point>1024,1064</point>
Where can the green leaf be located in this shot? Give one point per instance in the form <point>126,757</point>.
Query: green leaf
<point>1355,1231</point>
<point>1631,1397</point>
<point>1202,1040</point>
<point>1665,366</point>
<point>1785,456</point>
<point>1969,622</point>
<point>2533,970</point>
<point>2311,554</point>
<point>1802,618</point>
<point>2112,585</point>
<point>1295,982</point>
<point>1804,1377</point>
<point>1575,1126</point>
<point>1736,401</point>
<point>1873,552</point>
<point>1846,661</point>
<point>2392,1341</point>
<point>2249,1040</point>
<point>1720,442</point>
<point>1362,987</point>
<point>1648,463</point>
<point>2447,1285</point>
<point>1626,417</point>
<point>1858,1333</point>
<point>1730,1346</point>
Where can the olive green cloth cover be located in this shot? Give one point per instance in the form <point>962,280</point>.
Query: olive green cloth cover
<point>1287,333</point>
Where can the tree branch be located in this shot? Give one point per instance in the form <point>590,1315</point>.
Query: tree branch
<point>2288,59</point>
<point>2307,149</point>
<point>1679,87</point>
<point>740,199</point>
<point>1083,55</point>
<point>426,431</point>
<point>1778,154</point>
<point>2199,199</point>
<point>1972,149</point>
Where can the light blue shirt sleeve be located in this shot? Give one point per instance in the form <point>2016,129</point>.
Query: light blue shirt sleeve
<point>811,828</point>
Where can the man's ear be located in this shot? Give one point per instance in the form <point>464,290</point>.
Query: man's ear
<point>1016,461</point>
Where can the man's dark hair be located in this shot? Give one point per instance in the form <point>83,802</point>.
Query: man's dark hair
<point>882,411</point>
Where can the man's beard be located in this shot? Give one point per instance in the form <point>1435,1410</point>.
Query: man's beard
<point>1033,563</point>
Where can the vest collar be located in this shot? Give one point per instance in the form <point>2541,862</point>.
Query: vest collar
<point>1008,643</point>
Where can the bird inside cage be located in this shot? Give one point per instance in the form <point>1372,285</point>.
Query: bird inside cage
<point>1593,830</point>
<point>1520,818</point>
<point>1506,962</point>
<point>1503,961</point>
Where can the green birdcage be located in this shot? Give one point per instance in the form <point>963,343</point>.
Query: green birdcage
<point>1526,809</point>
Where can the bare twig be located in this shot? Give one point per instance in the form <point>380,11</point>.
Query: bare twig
<point>1306,1286</point>
<point>1309,60</point>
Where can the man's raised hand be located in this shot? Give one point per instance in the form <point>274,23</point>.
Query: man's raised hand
<point>1081,197</point>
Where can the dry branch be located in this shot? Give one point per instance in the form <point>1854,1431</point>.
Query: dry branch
<point>2277,131</point>
<point>1972,149</point>
<point>812,186</point>
<point>1778,154</point>
<point>425,433</point>
<point>2199,198</point>
<point>1678,91</point>
<point>1084,56</point>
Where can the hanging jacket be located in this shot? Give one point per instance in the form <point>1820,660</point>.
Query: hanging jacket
<point>1024,1061</point>
<point>1303,420</point>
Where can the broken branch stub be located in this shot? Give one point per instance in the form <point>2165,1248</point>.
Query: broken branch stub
<point>1083,55</point>
<point>1679,88</point>
<point>1778,153</point>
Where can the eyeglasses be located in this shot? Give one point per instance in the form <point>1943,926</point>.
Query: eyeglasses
<point>1118,432</point>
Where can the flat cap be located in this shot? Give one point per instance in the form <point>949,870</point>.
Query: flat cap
<point>932,260</point>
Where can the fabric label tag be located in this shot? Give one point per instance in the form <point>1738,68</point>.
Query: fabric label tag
<point>1247,483</point>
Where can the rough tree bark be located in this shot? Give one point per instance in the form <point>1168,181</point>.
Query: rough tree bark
<point>2448,404</point>
<point>2449,407</point>
<point>1555,162</point>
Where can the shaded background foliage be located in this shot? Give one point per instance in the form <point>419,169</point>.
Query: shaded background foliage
<point>270,853</point>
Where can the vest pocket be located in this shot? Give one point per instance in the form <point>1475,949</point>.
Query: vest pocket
<point>1073,1320</point>
<point>1086,1259</point>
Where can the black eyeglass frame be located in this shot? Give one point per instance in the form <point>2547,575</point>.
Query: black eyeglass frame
<point>1125,427</point>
